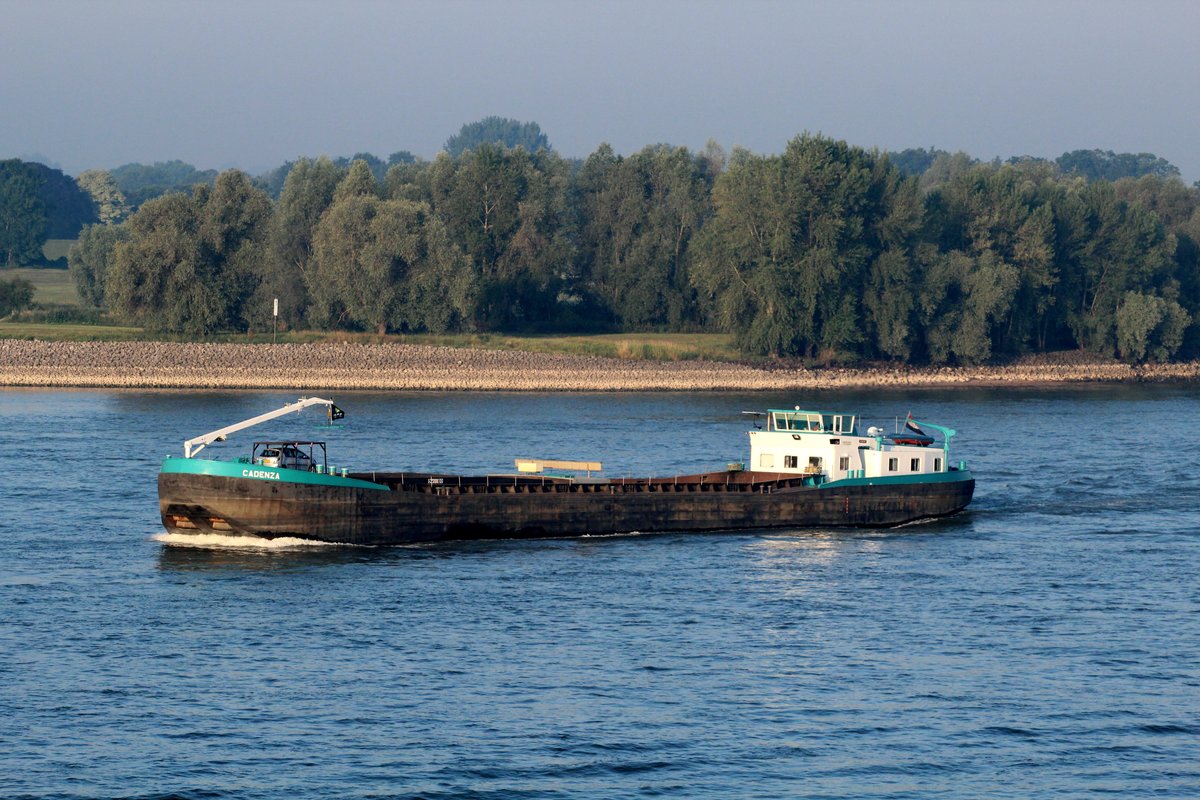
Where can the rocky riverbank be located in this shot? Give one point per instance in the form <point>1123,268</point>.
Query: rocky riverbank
<point>337,366</point>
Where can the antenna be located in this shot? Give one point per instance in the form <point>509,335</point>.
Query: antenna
<point>756,414</point>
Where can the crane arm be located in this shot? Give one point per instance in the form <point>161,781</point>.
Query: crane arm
<point>193,446</point>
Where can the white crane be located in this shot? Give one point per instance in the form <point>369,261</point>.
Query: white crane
<point>193,446</point>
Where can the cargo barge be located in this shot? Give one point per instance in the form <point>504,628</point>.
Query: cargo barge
<point>806,469</point>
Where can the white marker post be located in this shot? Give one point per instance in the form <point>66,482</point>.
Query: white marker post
<point>275,321</point>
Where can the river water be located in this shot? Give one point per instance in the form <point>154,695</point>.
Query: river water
<point>1044,644</point>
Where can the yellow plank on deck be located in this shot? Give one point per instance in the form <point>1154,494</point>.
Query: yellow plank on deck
<point>538,464</point>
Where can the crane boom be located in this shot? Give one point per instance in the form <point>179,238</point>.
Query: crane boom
<point>193,446</point>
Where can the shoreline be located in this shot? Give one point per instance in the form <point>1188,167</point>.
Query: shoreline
<point>408,367</point>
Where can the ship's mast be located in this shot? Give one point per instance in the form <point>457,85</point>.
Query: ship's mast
<point>947,435</point>
<point>193,446</point>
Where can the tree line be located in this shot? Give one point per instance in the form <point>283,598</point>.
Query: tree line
<point>826,251</point>
<point>39,203</point>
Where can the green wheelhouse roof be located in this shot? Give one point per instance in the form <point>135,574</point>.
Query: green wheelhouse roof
<point>810,411</point>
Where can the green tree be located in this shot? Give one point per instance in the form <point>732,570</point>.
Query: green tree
<point>1148,326</point>
<point>156,278</point>
<point>187,265</point>
<point>1106,247</point>
<point>272,181</point>
<point>891,304</point>
<point>1177,207</point>
<point>22,213</point>
<point>1004,213</point>
<point>91,258</point>
<point>285,271</point>
<point>358,259</point>
<point>787,255</point>
<point>111,206</point>
<point>944,168</point>
<point>507,210</point>
<point>387,265</point>
<point>15,294</point>
<point>915,161</point>
<point>1109,166</point>
<point>501,131</point>
<point>68,206</point>
<point>234,232</point>
<point>1167,198</point>
<point>409,180</point>
<point>440,293</point>
<point>713,160</point>
<point>358,181</point>
<point>965,298</point>
<point>641,215</point>
<point>142,182</point>
<point>375,165</point>
<point>234,212</point>
<point>747,263</point>
<point>478,199</point>
<point>890,309</point>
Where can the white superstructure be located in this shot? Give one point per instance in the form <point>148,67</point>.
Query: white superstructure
<point>827,446</point>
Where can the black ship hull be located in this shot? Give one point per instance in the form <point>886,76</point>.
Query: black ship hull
<point>430,508</point>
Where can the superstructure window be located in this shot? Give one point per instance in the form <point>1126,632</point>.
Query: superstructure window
<point>893,464</point>
<point>766,459</point>
<point>844,463</point>
<point>794,421</point>
<point>914,465</point>
<point>937,465</point>
<point>791,462</point>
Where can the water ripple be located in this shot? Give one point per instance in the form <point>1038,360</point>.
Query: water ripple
<point>1045,644</point>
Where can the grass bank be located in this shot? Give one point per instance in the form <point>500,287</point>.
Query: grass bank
<point>61,332</point>
<point>55,249</point>
<point>640,346</point>
<point>50,286</point>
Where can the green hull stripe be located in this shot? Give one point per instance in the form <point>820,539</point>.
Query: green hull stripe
<point>256,472</point>
<point>884,480</point>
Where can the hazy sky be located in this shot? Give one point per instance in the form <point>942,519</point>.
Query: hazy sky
<point>253,84</point>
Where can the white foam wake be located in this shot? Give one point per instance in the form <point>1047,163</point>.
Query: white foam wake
<point>219,540</point>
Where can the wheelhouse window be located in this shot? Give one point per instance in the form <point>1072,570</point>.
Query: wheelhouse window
<point>812,422</point>
<point>791,462</point>
<point>793,421</point>
<point>914,465</point>
<point>893,464</point>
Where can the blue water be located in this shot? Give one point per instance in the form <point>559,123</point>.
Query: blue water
<point>1044,644</point>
